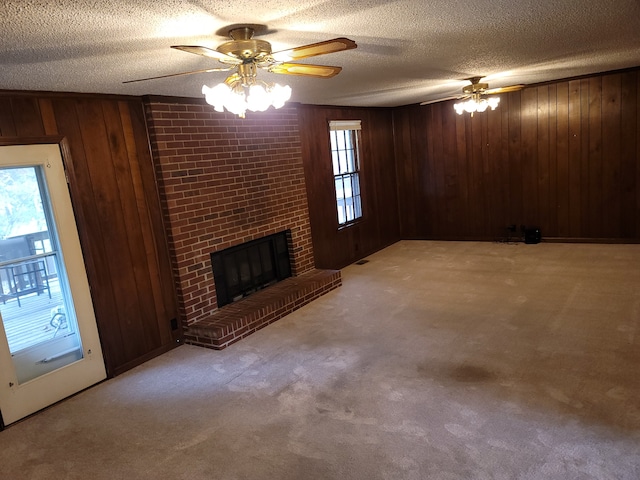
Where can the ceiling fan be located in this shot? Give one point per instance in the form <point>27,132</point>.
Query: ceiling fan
<point>477,96</point>
<point>245,55</point>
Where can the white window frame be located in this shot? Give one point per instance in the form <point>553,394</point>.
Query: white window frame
<point>345,158</point>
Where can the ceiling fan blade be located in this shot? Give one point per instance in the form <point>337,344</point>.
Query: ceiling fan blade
<point>429,102</point>
<point>208,52</point>
<point>179,74</point>
<point>510,88</point>
<point>313,49</point>
<point>319,71</point>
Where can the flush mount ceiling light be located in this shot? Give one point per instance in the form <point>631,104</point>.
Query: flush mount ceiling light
<point>242,91</point>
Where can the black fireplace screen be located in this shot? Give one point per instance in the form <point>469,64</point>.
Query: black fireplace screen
<point>241,270</point>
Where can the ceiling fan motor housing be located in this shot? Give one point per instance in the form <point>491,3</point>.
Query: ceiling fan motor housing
<point>476,87</point>
<point>244,46</point>
<point>246,49</point>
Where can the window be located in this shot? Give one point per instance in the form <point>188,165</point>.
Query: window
<point>346,169</point>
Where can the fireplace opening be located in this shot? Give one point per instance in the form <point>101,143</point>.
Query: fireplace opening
<point>244,269</point>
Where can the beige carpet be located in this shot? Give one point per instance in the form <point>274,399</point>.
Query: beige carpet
<point>434,360</point>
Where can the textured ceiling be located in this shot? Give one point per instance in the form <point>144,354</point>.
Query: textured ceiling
<point>409,51</point>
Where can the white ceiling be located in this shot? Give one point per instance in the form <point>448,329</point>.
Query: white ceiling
<point>409,51</point>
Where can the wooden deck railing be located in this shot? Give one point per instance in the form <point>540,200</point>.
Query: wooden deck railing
<point>30,322</point>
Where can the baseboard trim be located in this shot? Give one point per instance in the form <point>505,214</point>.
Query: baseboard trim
<point>142,359</point>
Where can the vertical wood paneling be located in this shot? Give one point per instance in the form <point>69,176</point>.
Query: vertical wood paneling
<point>505,163</point>
<point>528,156</point>
<point>422,141</point>
<point>543,210</point>
<point>318,172</point>
<point>463,171</point>
<point>107,196</point>
<point>575,167</point>
<point>611,136</point>
<point>595,157</point>
<point>135,242</point>
<point>497,183</point>
<point>89,227</point>
<point>450,171</point>
<point>406,173</point>
<point>477,185</point>
<point>585,226</point>
<point>435,173</point>
<point>26,117</point>
<point>515,160</point>
<point>149,219</point>
<point>7,126</point>
<point>552,203</point>
<point>426,178</point>
<point>487,178</point>
<point>48,117</point>
<point>628,160</point>
<point>385,193</point>
<point>636,212</point>
<point>379,227</point>
<point>563,156</point>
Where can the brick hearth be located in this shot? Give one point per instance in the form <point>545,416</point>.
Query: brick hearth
<point>233,322</point>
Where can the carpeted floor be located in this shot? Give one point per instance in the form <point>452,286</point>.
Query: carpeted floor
<point>434,360</point>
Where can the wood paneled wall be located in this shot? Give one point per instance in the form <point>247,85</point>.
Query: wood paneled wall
<point>334,247</point>
<point>115,200</point>
<point>563,156</point>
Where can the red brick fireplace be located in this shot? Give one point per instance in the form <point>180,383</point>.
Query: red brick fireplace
<point>225,181</point>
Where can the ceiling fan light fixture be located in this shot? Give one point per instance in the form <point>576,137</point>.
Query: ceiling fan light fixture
<point>237,97</point>
<point>280,94</point>
<point>476,104</point>
<point>258,99</point>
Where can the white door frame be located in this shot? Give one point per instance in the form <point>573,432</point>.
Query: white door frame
<point>18,401</point>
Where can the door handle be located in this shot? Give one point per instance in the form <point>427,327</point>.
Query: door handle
<point>58,355</point>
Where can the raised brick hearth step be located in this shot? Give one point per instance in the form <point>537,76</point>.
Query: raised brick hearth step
<point>233,322</point>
